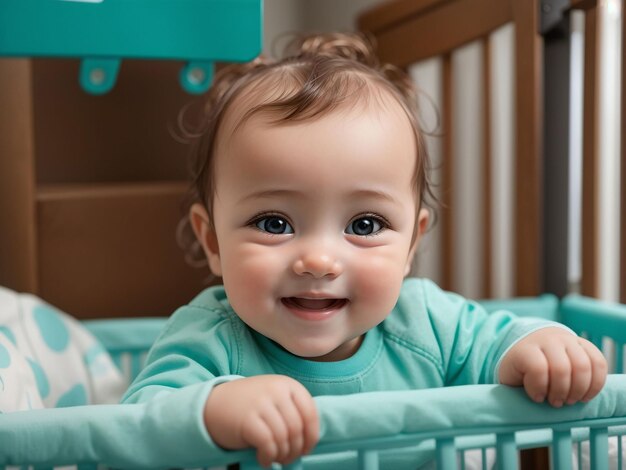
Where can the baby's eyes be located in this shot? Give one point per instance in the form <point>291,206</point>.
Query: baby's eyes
<point>364,226</point>
<point>361,226</point>
<point>274,224</point>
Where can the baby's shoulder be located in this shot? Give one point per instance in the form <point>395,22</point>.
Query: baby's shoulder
<point>422,297</point>
<point>208,313</point>
<point>424,310</point>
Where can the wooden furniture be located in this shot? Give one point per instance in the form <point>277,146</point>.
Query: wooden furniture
<point>410,31</point>
<point>91,189</point>
<point>92,184</point>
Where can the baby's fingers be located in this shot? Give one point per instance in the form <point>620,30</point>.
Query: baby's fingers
<point>599,369</point>
<point>560,373</point>
<point>277,425</point>
<point>311,426</point>
<point>581,373</point>
<point>256,433</point>
<point>532,366</point>
<point>295,430</point>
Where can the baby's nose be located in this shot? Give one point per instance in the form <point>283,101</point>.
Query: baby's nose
<point>318,265</point>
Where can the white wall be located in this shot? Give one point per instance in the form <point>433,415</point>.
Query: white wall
<point>288,16</point>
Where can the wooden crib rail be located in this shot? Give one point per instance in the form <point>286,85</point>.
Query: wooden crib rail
<point>409,32</point>
<point>419,23</point>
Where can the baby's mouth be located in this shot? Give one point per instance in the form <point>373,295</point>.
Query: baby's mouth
<point>313,304</point>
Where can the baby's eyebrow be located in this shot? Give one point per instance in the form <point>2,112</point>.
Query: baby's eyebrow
<point>272,193</point>
<point>293,193</point>
<point>373,193</point>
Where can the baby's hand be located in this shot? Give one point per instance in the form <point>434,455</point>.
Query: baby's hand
<point>556,364</point>
<point>272,413</point>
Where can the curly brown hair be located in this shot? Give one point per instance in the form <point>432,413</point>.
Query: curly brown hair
<point>318,74</point>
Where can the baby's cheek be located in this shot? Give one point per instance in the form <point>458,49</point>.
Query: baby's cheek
<point>378,280</point>
<point>250,275</point>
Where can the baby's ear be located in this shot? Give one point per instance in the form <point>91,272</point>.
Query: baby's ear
<point>421,226</point>
<point>205,234</point>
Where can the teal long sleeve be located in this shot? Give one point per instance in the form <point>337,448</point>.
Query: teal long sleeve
<point>431,339</point>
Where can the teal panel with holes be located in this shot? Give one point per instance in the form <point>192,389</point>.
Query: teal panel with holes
<point>198,30</point>
<point>102,32</point>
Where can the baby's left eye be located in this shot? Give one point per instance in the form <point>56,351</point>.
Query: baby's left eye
<point>364,226</point>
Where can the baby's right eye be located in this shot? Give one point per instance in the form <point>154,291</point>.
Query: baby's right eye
<point>274,224</point>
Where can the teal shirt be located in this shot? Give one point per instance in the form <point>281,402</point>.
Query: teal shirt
<point>431,339</point>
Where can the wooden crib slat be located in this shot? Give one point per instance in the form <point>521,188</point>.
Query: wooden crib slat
<point>447,154</point>
<point>446,453</point>
<point>487,152</point>
<point>528,152</point>
<point>507,457</point>
<point>599,448</point>
<point>623,172</point>
<point>590,196</point>
<point>562,450</point>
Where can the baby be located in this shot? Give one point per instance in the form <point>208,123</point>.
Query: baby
<point>311,194</point>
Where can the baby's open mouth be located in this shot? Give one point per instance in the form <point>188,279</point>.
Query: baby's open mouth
<point>313,304</point>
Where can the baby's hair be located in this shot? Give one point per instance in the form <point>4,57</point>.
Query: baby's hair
<point>318,74</point>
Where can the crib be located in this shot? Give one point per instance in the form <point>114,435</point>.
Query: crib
<point>377,430</point>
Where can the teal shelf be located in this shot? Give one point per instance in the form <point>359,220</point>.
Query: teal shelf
<point>102,32</point>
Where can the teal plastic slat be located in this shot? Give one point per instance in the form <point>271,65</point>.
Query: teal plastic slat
<point>368,460</point>
<point>506,452</point>
<point>599,442</point>
<point>619,358</point>
<point>562,450</point>
<point>446,453</point>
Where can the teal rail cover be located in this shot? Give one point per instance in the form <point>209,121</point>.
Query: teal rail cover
<point>595,317</point>
<point>197,31</point>
<point>544,306</point>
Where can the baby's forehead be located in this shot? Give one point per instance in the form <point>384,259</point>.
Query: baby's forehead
<point>284,98</point>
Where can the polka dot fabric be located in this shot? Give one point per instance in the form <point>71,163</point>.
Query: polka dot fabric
<point>48,359</point>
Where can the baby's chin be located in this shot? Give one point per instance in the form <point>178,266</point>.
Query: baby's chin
<point>323,352</point>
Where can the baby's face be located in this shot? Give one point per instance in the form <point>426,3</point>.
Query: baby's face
<point>314,224</point>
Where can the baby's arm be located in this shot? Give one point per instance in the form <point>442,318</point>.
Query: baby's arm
<point>272,413</point>
<point>554,363</point>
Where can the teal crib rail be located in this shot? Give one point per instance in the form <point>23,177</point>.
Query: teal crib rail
<point>370,430</point>
<point>102,32</point>
<point>395,430</point>
<point>128,341</point>
<point>600,322</point>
